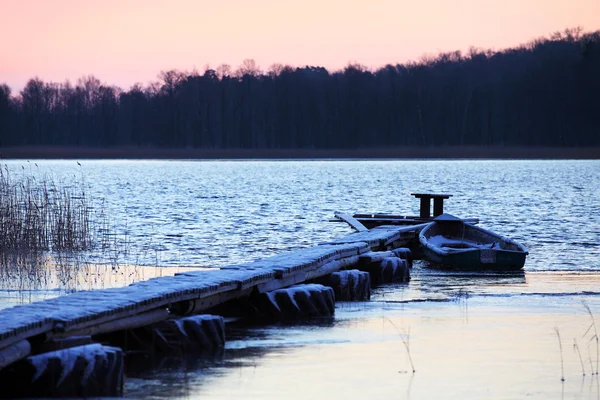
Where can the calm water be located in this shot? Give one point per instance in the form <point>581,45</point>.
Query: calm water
<point>467,333</point>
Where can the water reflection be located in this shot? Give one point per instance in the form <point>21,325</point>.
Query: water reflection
<point>506,349</point>
<point>172,376</point>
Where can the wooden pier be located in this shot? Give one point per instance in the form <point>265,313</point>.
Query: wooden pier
<point>74,314</point>
<point>74,345</point>
<point>74,322</point>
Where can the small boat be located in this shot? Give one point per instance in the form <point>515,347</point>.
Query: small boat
<point>452,243</point>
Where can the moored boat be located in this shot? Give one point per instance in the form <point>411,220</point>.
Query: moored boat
<point>450,242</point>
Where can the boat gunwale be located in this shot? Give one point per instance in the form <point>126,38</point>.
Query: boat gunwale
<point>448,251</point>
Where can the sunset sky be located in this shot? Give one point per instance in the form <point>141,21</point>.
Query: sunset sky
<point>126,41</point>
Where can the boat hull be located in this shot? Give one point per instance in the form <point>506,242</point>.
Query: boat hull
<point>449,242</point>
<point>473,260</point>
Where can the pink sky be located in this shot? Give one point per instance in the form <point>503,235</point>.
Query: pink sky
<point>126,41</point>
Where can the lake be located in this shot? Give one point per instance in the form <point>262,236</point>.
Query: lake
<point>467,333</point>
<point>215,213</point>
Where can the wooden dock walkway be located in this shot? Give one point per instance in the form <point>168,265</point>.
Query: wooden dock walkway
<point>154,300</point>
<point>75,345</point>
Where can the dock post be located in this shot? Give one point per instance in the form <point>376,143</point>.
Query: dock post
<point>438,203</point>
<point>438,206</point>
<point>425,207</point>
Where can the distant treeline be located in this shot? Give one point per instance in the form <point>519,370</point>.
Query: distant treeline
<point>545,93</point>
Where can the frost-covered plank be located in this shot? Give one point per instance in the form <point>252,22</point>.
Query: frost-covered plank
<point>141,296</point>
<point>372,238</point>
<point>90,317</point>
<point>353,222</point>
<point>23,322</point>
<point>90,307</point>
<point>380,236</point>
<point>84,309</point>
<point>404,232</point>
<point>243,277</point>
<point>285,281</point>
<point>305,259</point>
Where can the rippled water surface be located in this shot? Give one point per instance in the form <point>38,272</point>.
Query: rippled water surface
<point>214,213</point>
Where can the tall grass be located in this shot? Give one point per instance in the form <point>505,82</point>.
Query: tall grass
<point>44,224</point>
<point>55,235</point>
<point>38,215</point>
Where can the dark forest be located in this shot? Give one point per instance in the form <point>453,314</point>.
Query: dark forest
<point>542,94</point>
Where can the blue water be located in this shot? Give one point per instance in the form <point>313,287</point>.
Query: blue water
<point>215,213</point>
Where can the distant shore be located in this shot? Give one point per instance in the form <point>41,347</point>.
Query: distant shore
<point>469,152</point>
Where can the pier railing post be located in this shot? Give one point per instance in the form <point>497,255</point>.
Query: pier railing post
<point>438,203</point>
<point>438,206</point>
<point>425,207</point>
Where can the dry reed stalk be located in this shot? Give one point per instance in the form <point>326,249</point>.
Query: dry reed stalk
<point>40,218</point>
<point>576,348</point>
<point>593,337</point>
<point>405,337</point>
<point>562,367</point>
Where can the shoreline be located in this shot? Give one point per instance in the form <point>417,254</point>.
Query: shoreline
<point>449,152</point>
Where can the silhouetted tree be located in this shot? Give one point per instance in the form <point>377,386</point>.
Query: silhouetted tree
<point>6,115</point>
<point>543,93</point>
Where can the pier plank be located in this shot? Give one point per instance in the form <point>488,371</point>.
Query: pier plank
<point>81,311</point>
<point>305,259</point>
<point>22,323</point>
<point>381,236</point>
<point>353,222</point>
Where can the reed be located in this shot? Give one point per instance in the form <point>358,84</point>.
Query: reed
<point>592,337</point>
<point>576,348</point>
<point>562,365</point>
<point>39,215</point>
<point>54,234</point>
<point>405,337</point>
<point>45,224</point>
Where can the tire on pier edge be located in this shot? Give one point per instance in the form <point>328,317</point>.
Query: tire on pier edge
<point>297,302</point>
<point>391,269</point>
<point>404,253</point>
<point>92,370</point>
<point>196,333</point>
<point>349,285</point>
